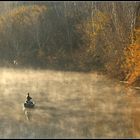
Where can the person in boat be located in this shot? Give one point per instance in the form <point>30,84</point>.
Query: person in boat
<point>28,98</point>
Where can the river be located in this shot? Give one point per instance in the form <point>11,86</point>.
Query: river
<point>67,105</point>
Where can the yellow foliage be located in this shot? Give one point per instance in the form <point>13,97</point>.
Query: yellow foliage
<point>132,61</point>
<point>93,27</point>
<point>24,15</point>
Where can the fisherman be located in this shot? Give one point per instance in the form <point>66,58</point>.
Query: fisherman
<point>28,98</point>
<point>28,103</point>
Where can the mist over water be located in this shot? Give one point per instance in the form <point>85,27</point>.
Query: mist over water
<point>68,105</point>
<point>66,54</point>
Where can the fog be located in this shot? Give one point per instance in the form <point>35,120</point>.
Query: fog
<point>67,105</point>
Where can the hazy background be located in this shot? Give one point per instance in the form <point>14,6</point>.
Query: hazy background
<point>72,36</point>
<point>70,57</point>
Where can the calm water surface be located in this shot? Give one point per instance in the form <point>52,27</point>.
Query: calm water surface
<point>68,105</point>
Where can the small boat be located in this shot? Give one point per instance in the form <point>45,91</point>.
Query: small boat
<point>29,104</point>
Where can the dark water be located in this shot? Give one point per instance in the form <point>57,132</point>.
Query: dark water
<point>68,105</point>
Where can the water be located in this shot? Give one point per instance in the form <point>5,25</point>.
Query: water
<point>68,105</point>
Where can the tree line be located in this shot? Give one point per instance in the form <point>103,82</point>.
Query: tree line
<point>82,36</point>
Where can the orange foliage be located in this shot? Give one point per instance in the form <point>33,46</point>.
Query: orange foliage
<point>132,63</point>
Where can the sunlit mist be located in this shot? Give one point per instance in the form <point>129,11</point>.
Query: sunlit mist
<point>78,61</point>
<point>68,105</point>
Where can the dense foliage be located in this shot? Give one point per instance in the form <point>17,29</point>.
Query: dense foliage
<point>72,36</point>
